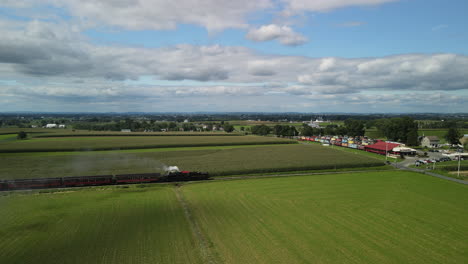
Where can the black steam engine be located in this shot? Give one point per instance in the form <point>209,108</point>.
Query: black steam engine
<point>41,183</point>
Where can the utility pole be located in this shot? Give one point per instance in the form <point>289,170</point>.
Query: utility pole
<point>459,159</point>
<point>386,151</point>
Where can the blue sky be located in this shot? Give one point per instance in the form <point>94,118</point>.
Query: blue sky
<point>216,55</point>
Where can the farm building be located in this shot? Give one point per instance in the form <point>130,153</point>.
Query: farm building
<point>464,139</point>
<point>381,147</point>
<point>51,126</point>
<point>430,142</point>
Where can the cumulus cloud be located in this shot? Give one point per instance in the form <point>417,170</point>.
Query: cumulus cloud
<point>284,34</point>
<point>165,14</point>
<point>213,15</point>
<point>49,60</point>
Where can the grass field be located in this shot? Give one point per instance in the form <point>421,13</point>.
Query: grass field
<point>110,143</point>
<point>374,217</point>
<point>385,217</point>
<point>216,161</point>
<point>7,137</point>
<point>114,225</point>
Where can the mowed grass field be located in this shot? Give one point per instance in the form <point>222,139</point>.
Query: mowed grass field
<point>214,160</point>
<point>374,217</point>
<point>113,225</point>
<point>134,142</point>
<point>384,217</point>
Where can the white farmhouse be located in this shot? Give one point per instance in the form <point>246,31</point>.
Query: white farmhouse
<point>430,142</point>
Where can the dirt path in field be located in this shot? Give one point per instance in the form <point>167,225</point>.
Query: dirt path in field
<point>206,252</point>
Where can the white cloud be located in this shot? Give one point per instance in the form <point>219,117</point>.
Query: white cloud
<point>54,61</point>
<point>284,34</point>
<point>296,6</point>
<point>165,14</point>
<point>214,15</point>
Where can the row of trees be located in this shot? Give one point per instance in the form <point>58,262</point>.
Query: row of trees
<point>151,125</point>
<point>351,128</point>
<point>401,129</point>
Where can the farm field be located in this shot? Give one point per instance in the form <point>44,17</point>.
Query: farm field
<point>373,217</point>
<point>131,134</point>
<point>216,161</point>
<point>105,225</point>
<point>384,217</point>
<point>135,142</point>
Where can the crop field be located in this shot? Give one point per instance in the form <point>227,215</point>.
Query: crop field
<point>7,137</point>
<point>113,225</point>
<point>373,217</point>
<point>216,161</point>
<point>384,217</point>
<point>112,143</point>
<point>132,134</point>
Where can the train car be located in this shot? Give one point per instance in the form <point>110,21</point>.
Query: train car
<point>186,176</point>
<point>39,183</point>
<point>3,185</point>
<point>87,180</point>
<point>42,183</point>
<point>137,178</point>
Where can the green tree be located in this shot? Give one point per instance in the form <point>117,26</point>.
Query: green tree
<point>22,135</point>
<point>397,129</point>
<point>307,131</point>
<point>228,128</point>
<point>355,127</point>
<point>453,134</point>
<point>262,130</point>
<point>412,138</point>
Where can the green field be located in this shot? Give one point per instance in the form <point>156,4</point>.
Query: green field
<point>216,161</point>
<point>7,137</point>
<point>386,217</point>
<point>135,142</point>
<point>113,225</point>
<point>378,217</point>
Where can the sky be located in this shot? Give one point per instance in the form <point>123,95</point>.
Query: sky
<point>356,56</point>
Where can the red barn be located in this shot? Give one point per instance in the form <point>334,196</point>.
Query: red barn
<point>381,147</point>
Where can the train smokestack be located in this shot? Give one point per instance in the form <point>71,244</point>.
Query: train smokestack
<point>172,169</point>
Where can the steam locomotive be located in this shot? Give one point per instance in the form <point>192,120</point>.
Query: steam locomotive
<point>42,183</point>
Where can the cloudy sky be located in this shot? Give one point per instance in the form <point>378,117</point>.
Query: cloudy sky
<point>221,55</point>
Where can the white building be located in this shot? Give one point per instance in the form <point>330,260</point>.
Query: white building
<point>430,142</point>
<point>51,126</point>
